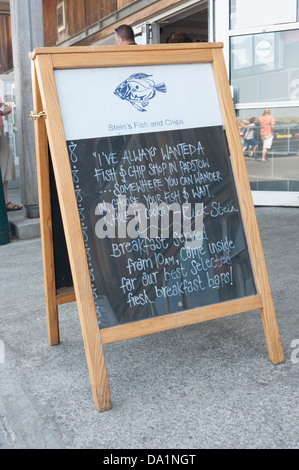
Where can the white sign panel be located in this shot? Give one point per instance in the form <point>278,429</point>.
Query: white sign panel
<point>105,102</point>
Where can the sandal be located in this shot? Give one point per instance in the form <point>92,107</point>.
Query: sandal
<point>13,207</point>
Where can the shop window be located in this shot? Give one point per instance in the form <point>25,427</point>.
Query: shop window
<point>280,171</point>
<point>245,14</point>
<point>60,15</point>
<point>264,67</point>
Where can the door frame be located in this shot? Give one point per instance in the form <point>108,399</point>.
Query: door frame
<point>220,12</point>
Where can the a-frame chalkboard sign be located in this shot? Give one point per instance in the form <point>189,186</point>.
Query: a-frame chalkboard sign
<point>155,202</point>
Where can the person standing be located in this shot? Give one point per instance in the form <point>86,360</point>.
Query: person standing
<point>180,36</point>
<point>6,160</point>
<point>267,124</point>
<point>124,35</point>
<point>249,138</point>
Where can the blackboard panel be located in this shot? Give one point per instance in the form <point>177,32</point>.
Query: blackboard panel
<point>63,274</point>
<point>188,170</point>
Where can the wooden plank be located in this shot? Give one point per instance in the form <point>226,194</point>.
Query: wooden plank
<point>50,22</point>
<point>248,212</point>
<point>92,51</point>
<point>89,325</point>
<point>129,58</point>
<point>175,320</point>
<point>65,295</point>
<point>44,192</point>
<point>75,16</point>
<point>96,10</point>
<point>123,3</point>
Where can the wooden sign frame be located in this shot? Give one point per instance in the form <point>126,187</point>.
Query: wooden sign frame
<point>49,129</point>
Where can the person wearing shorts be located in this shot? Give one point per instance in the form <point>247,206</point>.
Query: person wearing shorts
<point>267,125</point>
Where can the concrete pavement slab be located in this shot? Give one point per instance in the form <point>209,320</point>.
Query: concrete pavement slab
<point>209,385</point>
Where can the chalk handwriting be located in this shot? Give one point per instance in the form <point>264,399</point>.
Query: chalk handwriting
<point>155,203</point>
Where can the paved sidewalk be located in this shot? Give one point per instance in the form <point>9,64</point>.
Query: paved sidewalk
<point>210,385</point>
<point>3,441</point>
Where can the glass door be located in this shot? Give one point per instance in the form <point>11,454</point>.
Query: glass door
<point>262,51</point>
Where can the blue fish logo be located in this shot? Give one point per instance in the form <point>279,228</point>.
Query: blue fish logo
<point>138,89</point>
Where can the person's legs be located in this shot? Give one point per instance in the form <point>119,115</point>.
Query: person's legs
<point>9,205</point>
<point>5,191</point>
<point>264,154</point>
<point>265,148</point>
<point>267,143</point>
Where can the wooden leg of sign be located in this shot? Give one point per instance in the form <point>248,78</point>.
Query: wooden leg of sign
<point>43,177</point>
<point>73,235</point>
<point>246,205</point>
<point>272,333</point>
<point>97,368</point>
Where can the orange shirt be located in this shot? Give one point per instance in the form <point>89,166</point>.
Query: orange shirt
<point>267,124</point>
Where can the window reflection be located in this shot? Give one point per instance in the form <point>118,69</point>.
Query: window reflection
<point>264,67</point>
<point>280,172</point>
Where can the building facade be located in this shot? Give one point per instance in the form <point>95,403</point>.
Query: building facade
<point>7,83</point>
<point>261,50</point>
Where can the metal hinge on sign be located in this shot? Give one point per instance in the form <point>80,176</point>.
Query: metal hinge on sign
<point>32,115</point>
